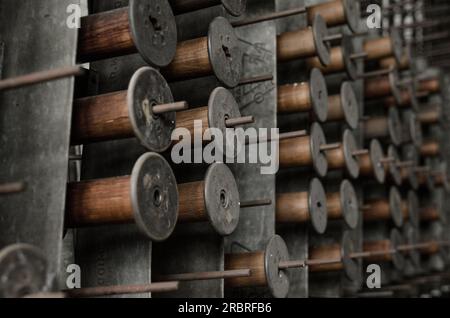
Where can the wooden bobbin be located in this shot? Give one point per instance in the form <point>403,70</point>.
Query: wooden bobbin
<point>406,100</point>
<point>383,86</point>
<point>389,245</point>
<point>148,197</point>
<point>337,12</point>
<point>127,114</point>
<point>344,205</point>
<point>264,266</point>
<point>408,173</point>
<point>413,129</point>
<point>386,127</point>
<point>411,236</point>
<point>432,85</point>
<point>430,248</point>
<point>384,209</point>
<point>344,156</point>
<point>309,96</point>
<point>145,26</point>
<point>343,58</point>
<point>425,176</point>
<point>305,151</point>
<point>391,168</point>
<point>410,208</point>
<point>344,106</point>
<point>217,54</point>
<point>430,148</point>
<point>305,43</point>
<point>214,199</point>
<point>388,46</point>
<point>402,65</point>
<point>430,115</point>
<point>341,250</point>
<point>303,207</point>
<point>221,106</point>
<point>371,164</point>
<point>430,213</point>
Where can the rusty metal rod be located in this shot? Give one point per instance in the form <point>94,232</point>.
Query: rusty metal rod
<point>361,152</point>
<point>121,290</point>
<point>376,73</point>
<point>283,136</point>
<point>269,16</point>
<point>206,275</point>
<point>387,160</point>
<point>171,107</point>
<point>257,79</point>
<point>333,37</point>
<point>330,146</point>
<point>233,122</point>
<point>40,77</point>
<point>255,203</point>
<point>356,56</point>
<point>10,188</point>
<point>309,262</point>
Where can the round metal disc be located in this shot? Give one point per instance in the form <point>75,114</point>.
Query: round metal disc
<point>411,235</point>
<point>352,12</point>
<point>235,7</point>
<point>148,88</point>
<point>222,199</point>
<point>397,44</point>
<point>320,31</point>
<point>395,205</point>
<point>349,204</point>
<point>319,94</point>
<point>318,206</point>
<point>394,171</point>
<point>222,106</point>
<point>398,258</point>
<point>225,53</point>
<point>395,89</point>
<point>350,146</point>
<point>414,129</point>
<point>23,271</point>
<point>351,65</point>
<point>413,207</point>
<point>410,153</point>
<point>351,266</point>
<point>278,281</point>
<point>317,139</point>
<point>154,31</point>
<point>350,105</point>
<point>412,90</point>
<point>154,197</point>
<point>395,126</point>
<point>376,155</point>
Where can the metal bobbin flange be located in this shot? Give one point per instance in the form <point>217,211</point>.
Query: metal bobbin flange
<point>154,197</point>
<point>222,199</point>
<point>154,30</point>
<point>23,271</point>
<point>318,206</point>
<point>148,88</point>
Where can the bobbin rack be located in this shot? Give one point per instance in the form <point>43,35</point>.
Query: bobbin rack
<point>95,204</point>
